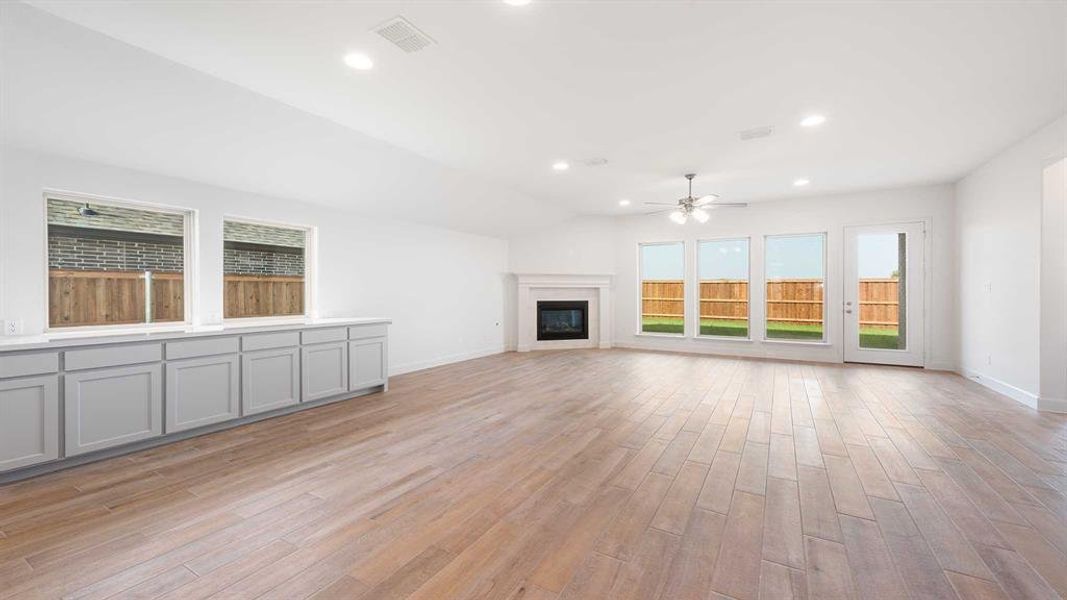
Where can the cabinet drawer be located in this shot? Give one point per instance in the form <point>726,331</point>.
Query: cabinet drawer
<point>201,391</point>
<point>320,336</point>
<point>367,363</point>
<point>113,356</point>
<point>359,332</point>
<point>21,365</point>
<point>206,347</point>
<point>324,369</point>
<point>263,341</point>
<point>270,379</point>
<point>111,407</point>
<point>29,421</point>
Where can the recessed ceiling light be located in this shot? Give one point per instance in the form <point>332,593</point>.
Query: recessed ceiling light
<point>801,182</point>
<point>812,121</point>
<point>624,203</point>
<point>517,2</point>
<point>561,165</point>
<point>359,61</point>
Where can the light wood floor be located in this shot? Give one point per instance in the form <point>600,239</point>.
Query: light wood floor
<point>585,474</point>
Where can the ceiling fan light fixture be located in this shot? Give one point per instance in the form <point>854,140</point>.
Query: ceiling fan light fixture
<point>700,215</point>
<point>679,217</point>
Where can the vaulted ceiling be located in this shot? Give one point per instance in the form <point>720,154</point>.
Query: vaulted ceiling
<point>464,132</point>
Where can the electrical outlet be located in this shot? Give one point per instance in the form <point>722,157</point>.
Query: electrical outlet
<point>13,327</point>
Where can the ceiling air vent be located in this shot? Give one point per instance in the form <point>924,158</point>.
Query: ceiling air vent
<point>756,133</point>
<point>595,162</point>
<point>404,35</point>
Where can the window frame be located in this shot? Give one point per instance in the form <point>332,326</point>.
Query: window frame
<point>190,262</point>
<point>685,290</point>
<point>825,340</point>
<point>748,274</point>
<point>310,262</point>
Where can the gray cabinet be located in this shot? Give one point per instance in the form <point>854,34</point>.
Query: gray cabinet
<point>324,370</point>
<point>367,363</point>
<point>65,402</point>
<point>29,421</point>
<point>202,391</point>
<point>269,379</point>
<point>110,407</point>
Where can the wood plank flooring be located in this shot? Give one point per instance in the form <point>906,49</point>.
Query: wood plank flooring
<point>581,474</point>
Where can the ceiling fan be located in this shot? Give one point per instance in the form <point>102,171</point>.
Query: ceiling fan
<point>693,207</point>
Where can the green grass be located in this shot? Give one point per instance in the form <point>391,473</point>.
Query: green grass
<point>794,331</point>
<point>662,325</point>
<point>869,338</point>
<point>723,328</point>
<point>880,339</point>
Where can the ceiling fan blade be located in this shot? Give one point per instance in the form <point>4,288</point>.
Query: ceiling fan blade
<point>662,203</point>
<point>705,200</point>
<point>660,212</point>
<point>726,205</point>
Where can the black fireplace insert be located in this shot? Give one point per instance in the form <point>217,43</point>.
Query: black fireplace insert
<point>562,320</point>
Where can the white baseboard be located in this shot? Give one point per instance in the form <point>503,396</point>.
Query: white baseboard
<point>444,360</point>
<point>935,365</point>
<point>1056,405</point>
<point>1018,394</point>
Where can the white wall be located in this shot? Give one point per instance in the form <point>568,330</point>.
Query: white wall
<point>444,290</point>
<point>999,220</point>
<point>580,246</point>
<point>1054,288</point>
<point>557,251</point>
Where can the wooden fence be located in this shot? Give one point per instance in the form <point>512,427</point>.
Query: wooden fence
<point>118,297</point>
<point>788,301</point>
<point>111,297</point>
<point>263,295</point>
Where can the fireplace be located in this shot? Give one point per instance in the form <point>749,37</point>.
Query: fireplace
<point>562,320</point>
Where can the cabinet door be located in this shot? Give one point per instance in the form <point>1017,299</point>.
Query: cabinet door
<point>324,370</point>
<point>269,379</point>
<point>201,391</point>
<point>110,407</point>
<point>367,363</point>
<point>29,421</point>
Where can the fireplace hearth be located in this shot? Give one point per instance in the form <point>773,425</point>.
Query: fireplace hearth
<point>562,320</point>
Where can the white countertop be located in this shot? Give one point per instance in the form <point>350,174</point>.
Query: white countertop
<point>68,339</point>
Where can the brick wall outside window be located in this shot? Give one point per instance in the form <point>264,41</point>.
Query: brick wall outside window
<point>240,261</point>
<point>95,254</point>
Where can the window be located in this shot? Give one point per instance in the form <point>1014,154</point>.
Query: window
<point>114,264</point>
<point>263,270</point>
<point>723,280</point>
<point>881,261</point>
<point>796,273</point>
<point>662,288</point>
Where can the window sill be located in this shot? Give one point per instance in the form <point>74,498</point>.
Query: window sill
<point>822,343</point>
<point>105,330</point>
<point>669,336</point>
<point>253,321</point>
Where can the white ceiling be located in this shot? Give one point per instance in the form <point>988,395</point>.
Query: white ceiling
<point>914,92</point>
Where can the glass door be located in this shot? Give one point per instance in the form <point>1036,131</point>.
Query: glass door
<point>883,299</point>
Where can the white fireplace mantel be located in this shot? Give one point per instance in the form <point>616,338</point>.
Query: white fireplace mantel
<point>535,286</point>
